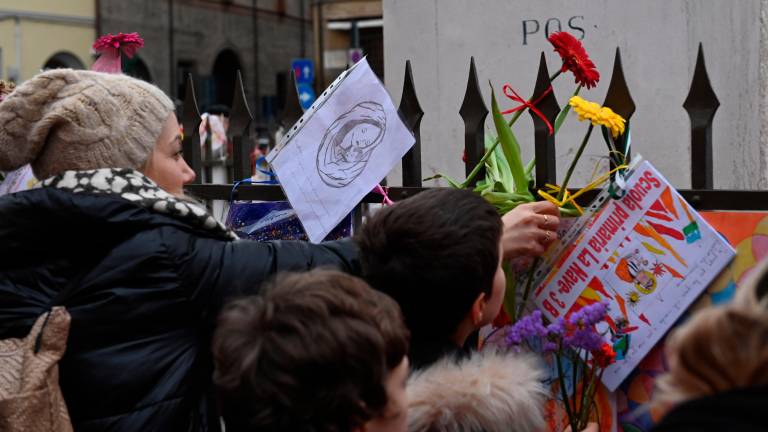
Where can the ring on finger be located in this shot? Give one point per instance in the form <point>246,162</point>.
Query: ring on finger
<point>547,236</point>
<point>546,221</point>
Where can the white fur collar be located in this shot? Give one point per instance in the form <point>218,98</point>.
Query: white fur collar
<point>489,391</point>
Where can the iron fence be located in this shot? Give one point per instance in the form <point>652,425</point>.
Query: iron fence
<point>701,105</point>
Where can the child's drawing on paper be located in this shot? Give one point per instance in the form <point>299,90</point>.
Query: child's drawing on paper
<point>349,142</point>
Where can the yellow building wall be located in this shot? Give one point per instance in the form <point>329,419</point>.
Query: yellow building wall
<point>41,39</point>
<point>82,8</point>
<point>35,50</point>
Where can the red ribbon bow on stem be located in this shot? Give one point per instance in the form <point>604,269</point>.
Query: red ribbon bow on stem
<point>528,104</point>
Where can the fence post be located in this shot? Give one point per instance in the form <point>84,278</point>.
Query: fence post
<point>701,105</point>
<point>473,110</point>
<point>546,171</point>
<point>620,101</point>
<point>239,120</point>
<point>190,120</point>
<point>292,110</point>
<point>411,111</point>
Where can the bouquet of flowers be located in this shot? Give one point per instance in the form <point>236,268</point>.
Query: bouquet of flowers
<point>508,181</point>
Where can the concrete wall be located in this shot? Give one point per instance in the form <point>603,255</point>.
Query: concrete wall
<point>658,41</point>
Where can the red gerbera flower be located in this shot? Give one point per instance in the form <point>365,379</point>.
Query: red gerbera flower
<point>575,58</point>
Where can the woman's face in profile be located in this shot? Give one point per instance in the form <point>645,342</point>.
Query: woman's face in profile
<point>165,165</point>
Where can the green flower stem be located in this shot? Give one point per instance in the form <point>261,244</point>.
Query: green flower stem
<point>563,392</point>
<point>575,160</point>
<point>588,395</point>
<point>586,381</point>
<point>510,293</point>
<point>488,153</point>
<point>529,284</point>
<point>575,375</point>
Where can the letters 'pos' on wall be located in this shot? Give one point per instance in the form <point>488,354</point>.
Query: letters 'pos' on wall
<point>658,40</point>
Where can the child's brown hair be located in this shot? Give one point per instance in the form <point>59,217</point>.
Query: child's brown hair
<point>310,353</point>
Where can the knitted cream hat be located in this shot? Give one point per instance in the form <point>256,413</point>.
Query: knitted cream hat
<point>67,119</point>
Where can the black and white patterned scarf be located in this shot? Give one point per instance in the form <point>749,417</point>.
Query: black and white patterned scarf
<point>134,186</point>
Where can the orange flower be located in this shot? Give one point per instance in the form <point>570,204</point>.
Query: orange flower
<point>604,357</point>
<point>575,58</point>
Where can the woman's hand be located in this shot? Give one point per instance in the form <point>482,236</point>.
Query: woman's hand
<point>529,229</point>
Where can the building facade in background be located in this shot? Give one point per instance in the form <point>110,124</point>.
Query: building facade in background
<point>209,39</point>
<point>43,34</point>
<point>212,40</point>
<point>345,30</point>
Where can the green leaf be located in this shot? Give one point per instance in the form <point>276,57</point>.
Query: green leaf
<point>529,169</point>
<point>450,181</point>
<point>564,113</point>
<point>509,146</point>
<point>505,173</point>
<point>503,197</point>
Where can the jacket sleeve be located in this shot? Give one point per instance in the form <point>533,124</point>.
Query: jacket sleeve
<point>213,270</point>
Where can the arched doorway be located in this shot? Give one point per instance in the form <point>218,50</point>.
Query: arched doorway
<point>224,71</point>
<point>136,68</point>
<point>63,60</point>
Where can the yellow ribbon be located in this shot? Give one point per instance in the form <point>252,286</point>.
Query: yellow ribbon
<point>568,197</point>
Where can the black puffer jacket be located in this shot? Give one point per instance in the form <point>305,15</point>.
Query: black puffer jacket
<point>148,289</point>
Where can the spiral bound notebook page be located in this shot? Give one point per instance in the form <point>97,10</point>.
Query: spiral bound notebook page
<point>340,149</point>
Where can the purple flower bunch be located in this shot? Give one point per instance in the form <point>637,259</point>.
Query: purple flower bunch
<point>577,332</point>
<point>532,326</point>
<point>583,324</point>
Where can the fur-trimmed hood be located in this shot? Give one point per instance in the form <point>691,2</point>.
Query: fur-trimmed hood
<point>487,392</point>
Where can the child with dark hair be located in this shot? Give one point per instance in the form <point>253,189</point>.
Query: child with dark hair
<point>439,255</point>
<point>318,351</point>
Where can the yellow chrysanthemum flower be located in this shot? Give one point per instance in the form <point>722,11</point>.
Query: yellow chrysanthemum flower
<point>598,115</point>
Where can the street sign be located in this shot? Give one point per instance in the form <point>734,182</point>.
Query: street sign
<point>306,95</point>
<point>304,70</point>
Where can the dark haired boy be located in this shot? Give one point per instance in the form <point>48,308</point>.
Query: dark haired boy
<point>318,351</point>
<point>439,255</point>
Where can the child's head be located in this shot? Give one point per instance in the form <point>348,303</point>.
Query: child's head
<point>318,351</point>
<point>721,348</point>
<point>438,255</point>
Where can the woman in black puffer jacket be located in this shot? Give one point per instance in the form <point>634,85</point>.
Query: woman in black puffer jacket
<point>145,270</point>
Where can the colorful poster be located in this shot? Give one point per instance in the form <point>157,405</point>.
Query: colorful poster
<point>747,232</point>
<point>648,254</point>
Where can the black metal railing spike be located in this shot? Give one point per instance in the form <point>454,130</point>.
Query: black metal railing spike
<point>190,120</point>
<point>240,119</point>
<point>701,105</point>
<point>411,112</point>
<point>292,110</point>
<point>545,143</point>
<point>618,99</point>
<point>473,111</point>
